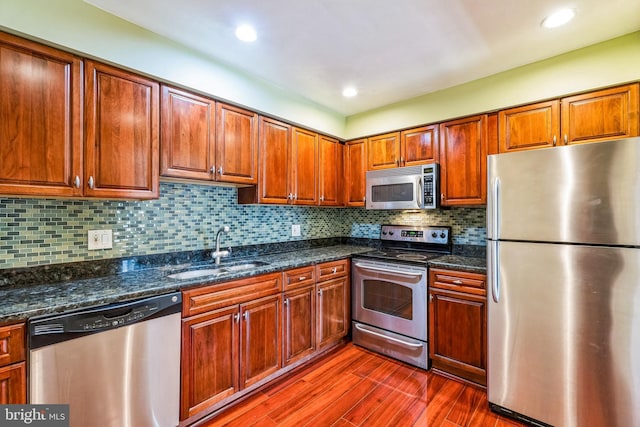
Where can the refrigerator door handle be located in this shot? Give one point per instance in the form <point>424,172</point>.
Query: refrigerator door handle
<point>495,209</point>
<point>494,253</point>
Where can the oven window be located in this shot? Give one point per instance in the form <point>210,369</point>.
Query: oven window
<point>392,192</point>
<point>388,298</point>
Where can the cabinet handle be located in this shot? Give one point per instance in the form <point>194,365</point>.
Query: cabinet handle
<point>364,199</point>
<point>457,282</point>
<point>320,292</point>
<point>76,182</point>
<point>295,196</point>
<point>301,278</point>
<point>91,182</point>
<point>322,198</point>
<point>220,170</point>
<point>554,140</point>
<point>286,301</point>
<point>402,160</point>
<point>290,196</point>
<point>430,297</point>
<point>398,162</point>
<point>566,139</point>
<point>442,197</point>
<point>236,317</point>
<point>245,316</point>
<point>212,170</point>
<point>334,270</point>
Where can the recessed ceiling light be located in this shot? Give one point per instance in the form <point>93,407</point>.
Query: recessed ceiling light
<point>246,33</point>
<point>349,92</point>
<point>558,18</point>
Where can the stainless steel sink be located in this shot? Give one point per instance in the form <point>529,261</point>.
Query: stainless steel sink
<point>216,271</point>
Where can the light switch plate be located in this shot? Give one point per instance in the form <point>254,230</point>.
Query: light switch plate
<point>295,230</point>
<point>99,239</point>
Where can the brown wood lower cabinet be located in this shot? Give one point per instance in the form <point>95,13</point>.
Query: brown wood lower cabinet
<point>238,335</point>
<point>458,324</point>
<point>13,375</point>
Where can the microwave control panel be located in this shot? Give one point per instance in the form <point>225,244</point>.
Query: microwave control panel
<point>430,186</point>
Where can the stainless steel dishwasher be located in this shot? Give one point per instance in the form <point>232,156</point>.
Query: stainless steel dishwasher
<point>116,365</point>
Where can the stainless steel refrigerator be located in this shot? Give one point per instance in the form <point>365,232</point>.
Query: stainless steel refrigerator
<point>563,256</point>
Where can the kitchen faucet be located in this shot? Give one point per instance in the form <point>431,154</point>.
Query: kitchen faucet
<point>218,253</point>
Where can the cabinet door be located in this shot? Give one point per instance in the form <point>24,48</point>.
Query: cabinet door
<point>458,333</point>
<point>299,324</point>
<point>384,151</point>
<point>355,167</point>
<point>210,364</point>
<point>332,301</point>
<point>330,171</point>
<point>275,142</point>
<point>236,145</point>
<point>40,120</point>
<point>528,127</point>
<point>304,158</point>
<point>260,342</point>
<point>187,135</point>
<point>419,146</point>
<point>463,160</point>
<point>13,384</point>
<point>601,115</point>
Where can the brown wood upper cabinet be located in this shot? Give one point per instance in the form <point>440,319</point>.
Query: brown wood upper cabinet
<point>407,148</point>
<point>463,160</point>
<point>530,126</point>
<point>40,120</point>
<point>205,140</point>
<point>601,115</point>
<point>330,171</point>
<point>355,169</point>
<point>122,118</point>
<point>288,166</point>
<point>593,116</point>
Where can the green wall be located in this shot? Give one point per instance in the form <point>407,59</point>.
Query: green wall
<point>604,64</point>
<point>76,25</point>
<point>91,32</point>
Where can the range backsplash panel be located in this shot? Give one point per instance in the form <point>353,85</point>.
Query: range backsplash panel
<point>186,217</point>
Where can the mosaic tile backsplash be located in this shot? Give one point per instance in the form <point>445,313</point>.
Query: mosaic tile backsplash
<point>186,217</point>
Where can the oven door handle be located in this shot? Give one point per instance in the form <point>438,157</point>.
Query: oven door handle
<point>395,340</point>
<point>391,270</point>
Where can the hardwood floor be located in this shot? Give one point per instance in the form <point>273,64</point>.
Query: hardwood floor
<point>355,387</point>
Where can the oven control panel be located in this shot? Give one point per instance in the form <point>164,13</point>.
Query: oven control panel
<point>415,233</point>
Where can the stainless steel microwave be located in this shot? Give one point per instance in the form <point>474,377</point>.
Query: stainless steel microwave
<point>411,187</point>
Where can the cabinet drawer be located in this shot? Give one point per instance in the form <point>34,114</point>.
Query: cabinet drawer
<point>298,277</point>
<point>219,295</point>
<point>332,270</point>
<point>459,281</point>
<point>12,344</point>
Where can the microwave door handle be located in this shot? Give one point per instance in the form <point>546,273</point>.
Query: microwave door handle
<point>420,196</point>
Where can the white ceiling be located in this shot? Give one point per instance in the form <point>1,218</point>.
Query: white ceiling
<point>390,50</point>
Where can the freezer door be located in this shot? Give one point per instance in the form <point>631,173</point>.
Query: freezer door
<point>587,193</point>
<point>564,335</point>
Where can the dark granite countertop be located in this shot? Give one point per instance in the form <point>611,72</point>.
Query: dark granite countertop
<point>24,301</point>
<point>461,263</point>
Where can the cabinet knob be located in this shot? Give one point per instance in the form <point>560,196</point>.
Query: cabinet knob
<point>322,198</point>
<point>91,182</point>
<point>212,170</point>
<point>566,139</point>
<point>245,316</point>
<point>301,278</point>
<point>76,182</point>
<point>236,317</point>
<point>290,196</point>
<point>430,297</point>
<point>554,140</point>
<point>220,170</point>
<point>295,196</point>
<point>457,282</point>
<point>442,196</point>
<point>364,199</point>
<point>398,162</point>
<point>402,160</point>
<point>334,270</point>
<point>320,292</point>
<point>286,301</point>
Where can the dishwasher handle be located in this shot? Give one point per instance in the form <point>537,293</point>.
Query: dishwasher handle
<point>48,330</point>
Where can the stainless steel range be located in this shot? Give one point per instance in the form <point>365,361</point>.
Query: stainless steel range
<point>389,305</point>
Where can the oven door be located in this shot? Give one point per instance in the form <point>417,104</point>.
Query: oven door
<point>390,296</point>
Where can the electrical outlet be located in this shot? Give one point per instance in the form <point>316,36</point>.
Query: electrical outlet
<point>295,230</point>
<point>99,239</point>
